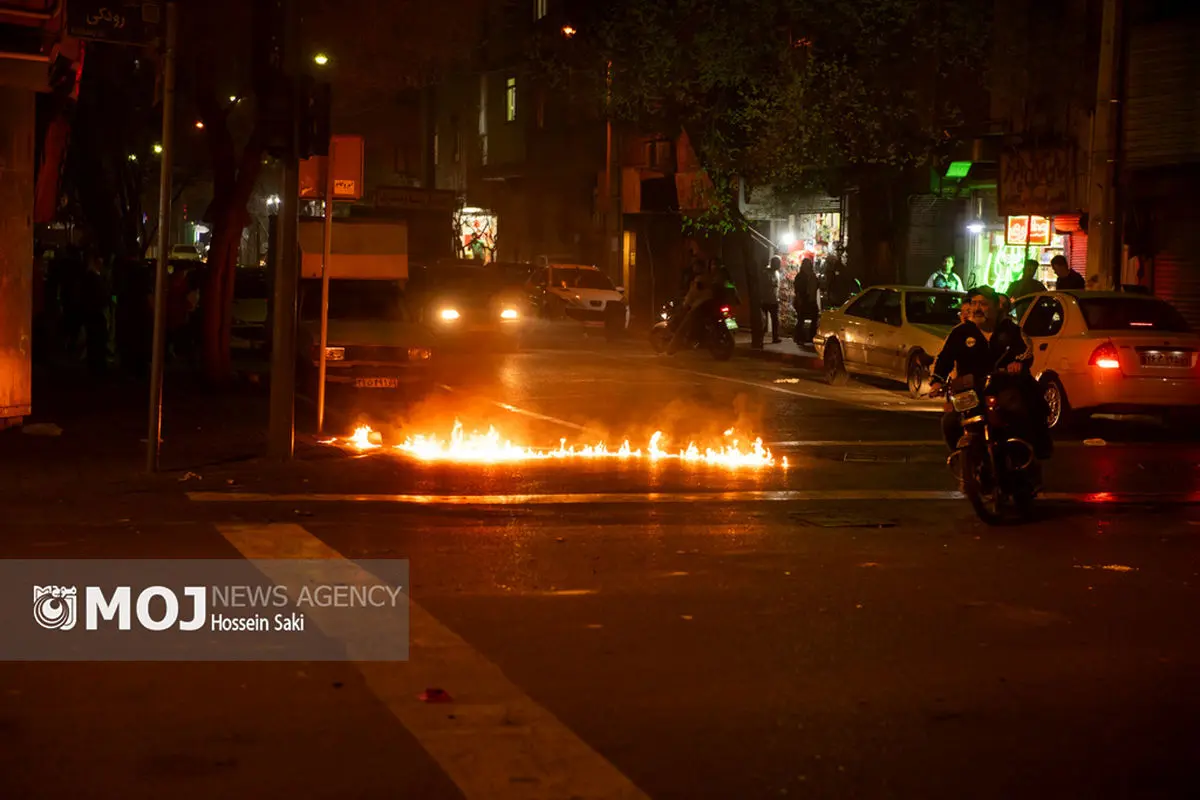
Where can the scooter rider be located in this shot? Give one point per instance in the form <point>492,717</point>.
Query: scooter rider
<point>985,343</point>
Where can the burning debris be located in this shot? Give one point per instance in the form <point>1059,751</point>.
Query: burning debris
<point>492,448</point>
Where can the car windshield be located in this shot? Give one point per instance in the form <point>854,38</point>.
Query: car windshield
<point>1131,314</point>
<point>355,300</point>
<point>459,278</point>
<point>583,278</point>
<point>933,308</point>
<point>251,284</point>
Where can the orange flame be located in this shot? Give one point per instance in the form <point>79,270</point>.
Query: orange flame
<point>492,448</point>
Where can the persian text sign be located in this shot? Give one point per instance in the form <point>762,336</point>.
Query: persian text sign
<point>132,22</point>
<point>1036,181</point>
<point>204,610</point>
<point>1033,231</point>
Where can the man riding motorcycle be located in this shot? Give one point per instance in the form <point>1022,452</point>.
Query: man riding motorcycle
<point>985,343</point>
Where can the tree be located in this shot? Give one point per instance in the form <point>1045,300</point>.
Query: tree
<point>789,93</point>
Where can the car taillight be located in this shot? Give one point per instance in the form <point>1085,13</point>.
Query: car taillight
<point>1105,357</point>
<point>991,403</point>
<point>724,309</point>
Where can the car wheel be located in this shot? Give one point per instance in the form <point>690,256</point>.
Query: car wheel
<point>917,375</point>
<point>835,364</point>
<point>1058,408</point>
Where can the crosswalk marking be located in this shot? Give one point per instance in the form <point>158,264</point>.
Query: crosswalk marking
<point>493,741</point>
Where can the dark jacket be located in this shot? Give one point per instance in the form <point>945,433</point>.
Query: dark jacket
<point>1072,280</point>
<point>967,351</point>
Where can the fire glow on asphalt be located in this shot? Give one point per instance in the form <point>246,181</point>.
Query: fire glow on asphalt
<point>492,448</point>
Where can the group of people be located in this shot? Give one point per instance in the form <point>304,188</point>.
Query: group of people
<point>1065,278</point>
<point>833,286</point>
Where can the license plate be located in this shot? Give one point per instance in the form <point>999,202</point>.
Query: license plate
<point>376,383</point>
<point>731,323</point>
<point>965,401</point>
<point>1159,358</point>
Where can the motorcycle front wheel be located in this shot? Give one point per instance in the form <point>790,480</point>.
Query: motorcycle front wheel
<point>721,345</point>
<point>660,337</point>
<point>980,485</point>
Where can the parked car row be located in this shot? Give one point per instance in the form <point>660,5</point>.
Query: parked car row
<point>1094,352</point>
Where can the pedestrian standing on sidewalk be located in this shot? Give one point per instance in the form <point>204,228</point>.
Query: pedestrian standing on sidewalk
<point>769,297</point>
<point>805,302</point>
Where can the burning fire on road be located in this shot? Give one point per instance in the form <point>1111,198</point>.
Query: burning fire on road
<point>491,448</point>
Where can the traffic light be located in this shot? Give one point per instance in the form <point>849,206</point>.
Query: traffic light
<point>315,112</point>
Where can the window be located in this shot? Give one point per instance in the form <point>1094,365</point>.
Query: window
<point>1046,318</point>
<point>510,95</point>
<point>933,308</point>
<point>539,9</point>
<point>1122,314</point>
<point>483,126</point>
<point>865,306</point>
<point>1019,309</point>
<point>887,310</point>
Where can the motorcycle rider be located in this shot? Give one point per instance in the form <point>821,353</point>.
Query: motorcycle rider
<point>984,343</point>
<point>699,297</point>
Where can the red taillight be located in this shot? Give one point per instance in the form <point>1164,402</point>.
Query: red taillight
<point>991,403</point>
<point>724,309</point>
<point>1105,357</point>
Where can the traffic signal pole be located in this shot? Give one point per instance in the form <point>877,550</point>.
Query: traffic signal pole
<point>325,269</point>
<point>159,347</point>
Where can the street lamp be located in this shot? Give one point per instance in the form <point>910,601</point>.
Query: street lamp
<point>158,149</point>
<point>199,125</point>
<point>320,59</point>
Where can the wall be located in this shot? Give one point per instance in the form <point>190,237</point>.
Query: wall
<point>16,250</point>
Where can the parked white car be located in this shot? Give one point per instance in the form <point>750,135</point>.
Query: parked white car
<point>577,292</point>
<point>1110,352</point>
<point>891,332</point>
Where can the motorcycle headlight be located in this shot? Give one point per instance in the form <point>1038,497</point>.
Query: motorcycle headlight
<point>448,314</point>
<point>509,314</point>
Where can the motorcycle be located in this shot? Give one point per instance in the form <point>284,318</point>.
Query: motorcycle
<point>996,473</point>
<point>716,333</point>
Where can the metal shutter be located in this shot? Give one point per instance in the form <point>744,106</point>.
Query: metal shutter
<point>1162,106</point>
<point>1176,275</point>
<point>930,238</point>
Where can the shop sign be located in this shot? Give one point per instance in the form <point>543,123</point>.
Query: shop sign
<point>1033,231</point>
<point>1036,181</point>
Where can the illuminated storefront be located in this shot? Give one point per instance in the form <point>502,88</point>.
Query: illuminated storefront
<point>478,232</point>
<point>814,236</point>
<point>999,250</point>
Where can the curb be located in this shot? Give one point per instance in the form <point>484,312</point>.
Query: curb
<point>802,360</point>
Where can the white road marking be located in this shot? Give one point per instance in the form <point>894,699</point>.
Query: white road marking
<point>879,405</point>
<point>649,498</point>
<point>524,412</point>
<point>493,741</point>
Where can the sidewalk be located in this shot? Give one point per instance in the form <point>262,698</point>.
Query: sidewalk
<point>85,443</point>
<point>786,351</point>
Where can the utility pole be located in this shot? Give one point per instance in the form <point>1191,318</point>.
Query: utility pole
<point>1102,205</point>
<point>281,430</point>
<point>159,350</point>
<point>325,270</point>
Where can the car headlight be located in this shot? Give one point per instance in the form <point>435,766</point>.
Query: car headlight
<point>509,313</point>
<point>418,354</point>
<point>449,314</point>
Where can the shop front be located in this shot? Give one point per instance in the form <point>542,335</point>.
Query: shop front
<point>999,248</point>
<point>477,234</point>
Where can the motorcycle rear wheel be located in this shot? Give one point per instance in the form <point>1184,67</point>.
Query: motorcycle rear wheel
<point>722,345</point>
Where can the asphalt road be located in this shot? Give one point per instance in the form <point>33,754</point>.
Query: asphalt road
<point>843,627</point>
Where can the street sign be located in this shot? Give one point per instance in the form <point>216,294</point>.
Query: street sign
<point>131,22</point>
<point>346,152</point>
